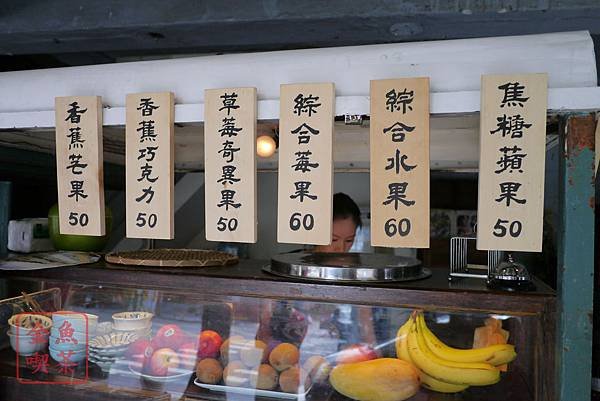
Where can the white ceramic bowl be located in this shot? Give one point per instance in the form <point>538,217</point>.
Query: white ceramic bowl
<point>131,320</point>
<point>76,356</point>
<point>104,328</point>
<point>141,332</point>
<point>25,345</point>
<point>80,337</point>
<point>113,340</point>
<point>22,323</point>
<point>77,321</point>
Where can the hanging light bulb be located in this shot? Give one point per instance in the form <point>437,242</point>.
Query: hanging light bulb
<point>265,146</point>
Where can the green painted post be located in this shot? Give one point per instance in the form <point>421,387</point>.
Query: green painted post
<point>575,276</point>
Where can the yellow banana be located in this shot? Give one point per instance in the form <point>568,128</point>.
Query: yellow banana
<point>494,354</point>
<point>474,374</point>
<point>439,386</point>
<point>426,381</point>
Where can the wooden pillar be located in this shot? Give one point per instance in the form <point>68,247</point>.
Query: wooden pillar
<point>575,276</point>
<point>4,216</point>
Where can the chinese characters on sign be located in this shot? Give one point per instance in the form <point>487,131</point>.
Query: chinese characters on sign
<point>79,165</point>
<point>230,164</point>
<point>512,158</point>
<point>305,163</point>
<point>149,149</point>
<point>40,366</point>
<point>399,136</point>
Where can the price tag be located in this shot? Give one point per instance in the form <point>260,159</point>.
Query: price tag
<point>79,165</point>
<point>149,149</point>
<point>512,162</point>
<point>305,181</point>
<point>230,164</point>
<point>399,136</point>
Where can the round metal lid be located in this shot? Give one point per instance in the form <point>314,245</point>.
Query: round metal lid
<point>351,267</point>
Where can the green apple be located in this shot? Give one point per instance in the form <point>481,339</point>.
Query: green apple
<point>67,242</point>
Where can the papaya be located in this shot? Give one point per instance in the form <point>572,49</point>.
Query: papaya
<point>383,379</point>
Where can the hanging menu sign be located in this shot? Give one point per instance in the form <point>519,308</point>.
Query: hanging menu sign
<point>230,164</point>
<point>305,181</point>
<point>149,165</point>
<point>511,162</point>
<point>399,136</point>
<point>79,165</point>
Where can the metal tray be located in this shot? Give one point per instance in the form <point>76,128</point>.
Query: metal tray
<point>347,267</point>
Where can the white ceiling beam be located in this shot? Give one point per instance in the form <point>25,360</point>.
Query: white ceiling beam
<point>559,100</point>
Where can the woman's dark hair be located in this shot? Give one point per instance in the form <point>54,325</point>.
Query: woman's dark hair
<point>344,207</point>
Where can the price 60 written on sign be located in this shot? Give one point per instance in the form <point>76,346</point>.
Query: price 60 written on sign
<point>299,221</point>
<point>400,227</point>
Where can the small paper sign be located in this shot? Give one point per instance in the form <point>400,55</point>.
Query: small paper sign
<point>512,162</point>
<point>149,148</point>
<point>79,165</point>
<point>230,164</point>
<point>399,135</point>
<point>305,181</point>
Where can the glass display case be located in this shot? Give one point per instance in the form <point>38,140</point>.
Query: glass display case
<point>237,333</point>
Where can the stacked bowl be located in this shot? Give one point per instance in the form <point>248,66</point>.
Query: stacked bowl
<point>70,334</point>
<point>139,323</point>
<point>106,349</point>
<point>29,333</point>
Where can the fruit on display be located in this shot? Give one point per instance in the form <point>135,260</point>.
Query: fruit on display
<point>491,334</point>
<point>188,347</point>
<point>494,355</point>
<point>356,353</point>
<point>293,380</point>
<point>446,369</point>
<point>235,374</point>
<point>209,371</point>
<point>317,368</point>
<point>136,351</point>
<point>427,381</point>
<point>169,336</point>
<point>230,349</point>
<point>383,379</point>
<point>284,356</point>
<point>470,373</point>
<point>251,364</point>
<point>253,353</point>
<point>265,378</point>
<point>163,360</point>
<point>209,344</point>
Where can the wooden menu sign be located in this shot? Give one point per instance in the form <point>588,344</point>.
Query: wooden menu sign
<point>230,164</point>
<point>79,165</point>
<point>511,162</point>
<point>399,136</point>
<point>305,180</point>
<point>149,150</point>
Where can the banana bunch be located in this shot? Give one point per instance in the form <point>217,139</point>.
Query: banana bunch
<point>445,369</point>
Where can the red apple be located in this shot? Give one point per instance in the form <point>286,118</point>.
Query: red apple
<point>169,336</point>
<point>209,344</point>
<point>188,353</point>
<point>356,353</point>
<point>188,346</point>
<point>162,361</point>
<point>138,350</point>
